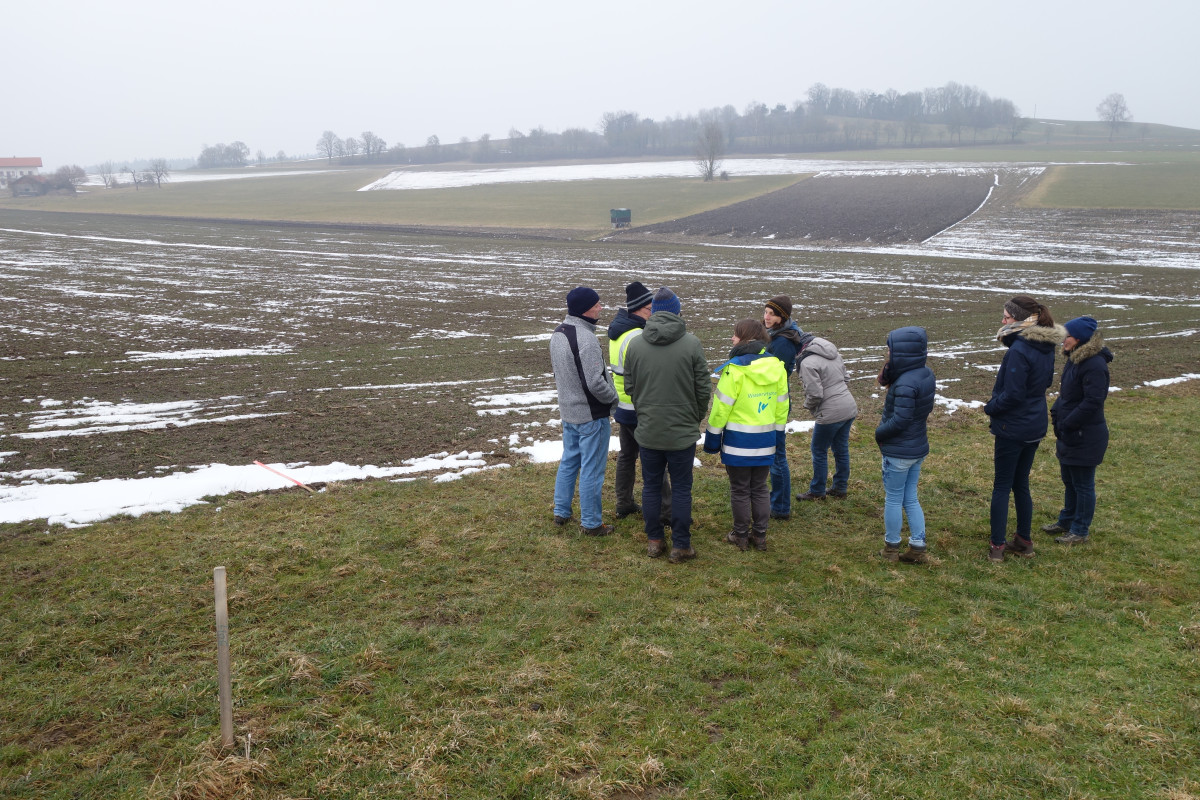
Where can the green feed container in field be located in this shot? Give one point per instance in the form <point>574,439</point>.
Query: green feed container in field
<point>620,217</point>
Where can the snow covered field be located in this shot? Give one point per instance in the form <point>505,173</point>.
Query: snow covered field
<point>149,364</point>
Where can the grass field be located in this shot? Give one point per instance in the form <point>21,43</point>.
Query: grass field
<point>417,640</point>
<point>1173,186</point>
<point>447,640</point>
<point>580,208</point>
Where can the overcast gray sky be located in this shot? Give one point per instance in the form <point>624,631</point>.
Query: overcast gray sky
<point>125,79</point>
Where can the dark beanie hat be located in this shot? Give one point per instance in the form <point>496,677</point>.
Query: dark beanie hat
<point>665,300</point>
<point>637,296</point>
<point>1081,328</point>
<point>781,305</point>
<point>580,300</point>
<point>1021,307</point>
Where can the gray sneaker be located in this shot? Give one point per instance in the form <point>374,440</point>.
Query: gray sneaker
<point>1071,538</point>
<point>1054,527</point>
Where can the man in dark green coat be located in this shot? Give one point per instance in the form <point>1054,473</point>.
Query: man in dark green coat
<point>667,376</point>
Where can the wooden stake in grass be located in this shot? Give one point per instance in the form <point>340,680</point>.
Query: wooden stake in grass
<point>225,689</point>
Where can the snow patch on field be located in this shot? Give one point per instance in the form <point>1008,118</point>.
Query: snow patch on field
<point>84,503</point>
<point>1187,376</point>
<point>87,417</point>
<point>192,355</point>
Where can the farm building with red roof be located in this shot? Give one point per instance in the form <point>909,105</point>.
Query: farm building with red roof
<point>13,168</point>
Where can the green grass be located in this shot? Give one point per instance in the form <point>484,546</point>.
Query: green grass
<point>447,640</point>
<point>1174,186</point>
<point>577,206</point>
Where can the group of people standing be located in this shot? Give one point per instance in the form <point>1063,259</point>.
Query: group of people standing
<point>657,386</point>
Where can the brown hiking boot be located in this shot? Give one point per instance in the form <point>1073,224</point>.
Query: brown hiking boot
<point>890,552</point>
<point>656,547</point>
<point>996,554</point>
<point>740,542</point>
<point>914,555</point>
<point>681,554</point>
<point>836,494</point>
<point>600,530</point>
<point>1019,547</point>
<point>759,543</point>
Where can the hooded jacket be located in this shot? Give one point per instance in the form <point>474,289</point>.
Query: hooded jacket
<point>826,392</point>
<point>667,377</point>
<point>750,409</point>
<point>621,331</point>
<point>902,431</point>
<point>786,342</point>
<point>1018,403</point>
<point>1078,413</point>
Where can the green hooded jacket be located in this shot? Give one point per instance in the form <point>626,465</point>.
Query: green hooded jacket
<point>667,376</point>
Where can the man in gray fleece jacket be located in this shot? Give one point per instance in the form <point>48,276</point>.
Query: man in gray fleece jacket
<point>586,397</point>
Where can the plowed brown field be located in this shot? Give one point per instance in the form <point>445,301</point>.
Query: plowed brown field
<point>883,209</point>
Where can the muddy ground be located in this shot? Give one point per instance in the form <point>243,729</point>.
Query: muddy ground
<point>884,209</point>
<point>371,347</point>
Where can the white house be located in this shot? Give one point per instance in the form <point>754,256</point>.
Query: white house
<point>13,168</point>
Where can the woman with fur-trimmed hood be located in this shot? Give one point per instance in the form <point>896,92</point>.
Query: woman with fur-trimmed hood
<point>1018,412</point>
<point>1080,427</point>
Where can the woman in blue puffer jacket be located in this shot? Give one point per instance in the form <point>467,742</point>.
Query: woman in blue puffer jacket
<point>1018,412</point>
<point>903,440</point>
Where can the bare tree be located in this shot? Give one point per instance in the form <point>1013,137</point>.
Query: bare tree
<point>135,177</point>
<point>372,145</point>
<point>159,171</point>
<point>72,174</point>
<point>710,150</point>
<point>351,146</point>
<point>328,144</point>
<point>1113,112</point>
<point>107,170</point>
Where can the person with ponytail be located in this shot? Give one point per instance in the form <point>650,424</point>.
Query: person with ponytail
<point>1018,416</point>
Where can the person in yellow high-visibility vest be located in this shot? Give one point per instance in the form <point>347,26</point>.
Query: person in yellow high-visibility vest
<point>747,426</point>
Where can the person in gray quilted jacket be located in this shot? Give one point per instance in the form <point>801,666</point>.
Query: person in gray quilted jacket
<point>827,397</point>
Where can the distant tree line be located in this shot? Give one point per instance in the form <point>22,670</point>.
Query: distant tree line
<point>156,171</point>
<point>367,148</point>
<point>236,154</point>
<point>827,119</point>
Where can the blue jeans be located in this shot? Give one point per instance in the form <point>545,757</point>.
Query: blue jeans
<point>679,464</point>
<point>781,484</point>
<point>1079,498</point>
<point>825,436</point>
<point>1013,461</point>
<point>585,455</point>
<point>900,476</point>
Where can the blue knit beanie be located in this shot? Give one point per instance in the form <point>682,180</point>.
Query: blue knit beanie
<point>1081,328</point>
<point>580,300</point>
<point>665,300</point>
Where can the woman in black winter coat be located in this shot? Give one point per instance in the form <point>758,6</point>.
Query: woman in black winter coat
<point>1018,412</point>
<point>1080,427</point>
